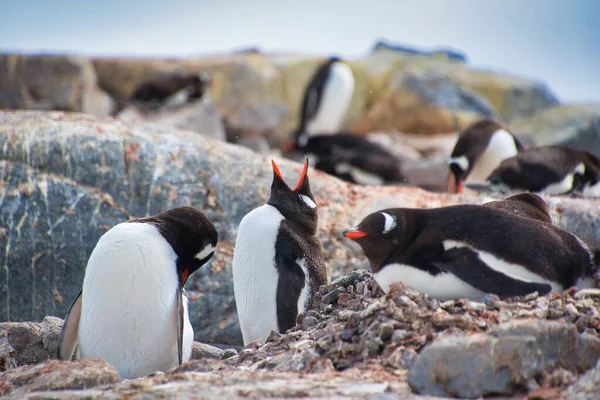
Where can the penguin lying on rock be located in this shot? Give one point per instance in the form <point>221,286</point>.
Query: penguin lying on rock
<point>470,250</point>
<point>131,310</point>
<point>278,263</point>
<point>552,169</point>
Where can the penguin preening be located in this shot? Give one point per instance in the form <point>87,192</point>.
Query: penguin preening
<point>466,251</point>
<point>278,263</point>
<point>352,158</point>
<point>553,169</point>
<point>131,310</point>
<point>326,100</point>
<point>479,150</point>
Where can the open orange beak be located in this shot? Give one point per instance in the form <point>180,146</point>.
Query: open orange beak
<point>303,174</point>
<point>354,233</point>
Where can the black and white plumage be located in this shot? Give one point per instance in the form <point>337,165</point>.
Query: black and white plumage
<point>131,310</point>
<point>551,169</point>
<point>470,250</point>
<point>160,88</point>
<point>278,262</point>
<point>352,158</point>
<point>479,150</point>
<point>326,100</point>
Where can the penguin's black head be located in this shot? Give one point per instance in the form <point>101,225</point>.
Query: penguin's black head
<point>297,205</point>
<point>191,235</point>
<point>379,234</point>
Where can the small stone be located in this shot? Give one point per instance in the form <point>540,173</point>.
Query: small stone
<point>202,350</point>
<point>474,306</point>
<point>347,334</point>
<point>583,293</point>
<point>309,322</point>
<point>332,296</point>
<point>313,313</point>
<point>571,309</point>
<point>385,331</point>
<point>274,336</point>
<point>539,313</point>
<point>228,353</point>
<point>324,343</point>
<point>344,298</point>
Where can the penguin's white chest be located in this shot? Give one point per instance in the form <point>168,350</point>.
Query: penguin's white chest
<point>335,101</point>
<point>501,146</point>
<point>255,275</point>
<point>129,309</point>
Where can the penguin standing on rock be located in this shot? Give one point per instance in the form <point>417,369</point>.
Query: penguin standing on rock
<point>278,263</point>
<point>326,100</point>
<point>551,169</point>
<point>479,150</point>
<point>466,251</point>
<point>131,310</point>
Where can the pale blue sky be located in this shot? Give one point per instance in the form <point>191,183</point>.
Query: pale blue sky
<point>556,41</point>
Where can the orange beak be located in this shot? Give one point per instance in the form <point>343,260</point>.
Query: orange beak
<point>453,186</point>
<point>303,174</point>
<point>276,169</point>
<point>354,233</point>
<point>184,275</point>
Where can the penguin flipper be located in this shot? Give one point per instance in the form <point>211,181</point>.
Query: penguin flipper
<point>180,311</point>
<point>466,265</point>
<point>67,340</point>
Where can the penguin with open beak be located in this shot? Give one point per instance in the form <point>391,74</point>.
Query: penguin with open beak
<point>278,263</point>
<point>131,310</point>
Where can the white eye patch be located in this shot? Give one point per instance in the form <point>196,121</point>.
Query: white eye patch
<point>461,161</point>
<point>308,201</point>
<point>205,252</point>
<point>390,222</point>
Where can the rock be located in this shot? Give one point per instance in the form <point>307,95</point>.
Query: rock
<point>501,363</point>
<point>29,342</point>
<point>67,178</point>
<point>424,102</point>
<point>200,116</point>
<point>60,375</point>
<point>450,55</point>
<point>201,350</point>
<point>587,387</point>
<point>51,82</point>
<point>573,125</point>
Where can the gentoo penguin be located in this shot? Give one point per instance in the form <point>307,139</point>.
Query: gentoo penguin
<point>352,158</point>
<point>278,262</point>
<point>470,250</point>
<point>326,100</point>
<point>550,169</point>
<point>131,310</point>
<point>527,205</point>
<point>480,148</point>
<point>159,89</point>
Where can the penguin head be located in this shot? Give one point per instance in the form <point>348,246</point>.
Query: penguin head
<point>378,234</point>
<point>191,235</point>
<point>297,205</point>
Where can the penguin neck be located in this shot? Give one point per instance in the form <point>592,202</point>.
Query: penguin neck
<point>306,225</point>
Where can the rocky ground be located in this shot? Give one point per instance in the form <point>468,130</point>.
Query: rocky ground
<point>357,343</point>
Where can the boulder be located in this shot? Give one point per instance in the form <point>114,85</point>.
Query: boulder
<point>587,387</point>
<point>30,342</point>
<point>447,54</point>
<point>59,375</point>
<point>572,125</point>
<point>67,178</point>
<point>51,82</point>
<point>501,363</point>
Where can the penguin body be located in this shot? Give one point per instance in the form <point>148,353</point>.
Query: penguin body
<point>326,99</point>
<point>278,262</point>
<point>353,158</point>
<point>131,310</point>
<point>551,169</point>
<point>470,250</point>
<point>527,205</point>
<point>479,150</point>
<point>161,88</point>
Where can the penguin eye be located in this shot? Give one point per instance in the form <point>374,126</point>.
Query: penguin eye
<point>307,201</point>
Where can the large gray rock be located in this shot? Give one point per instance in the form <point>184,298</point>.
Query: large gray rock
<point>59,375</point>
<point>504,362</point>
<point>51,82</point>
<point>67,178</point>
<point>573,125</point>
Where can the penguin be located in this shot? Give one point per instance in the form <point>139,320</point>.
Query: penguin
<point>467,251</point>
<point>553,169</point>
<point>326,100</point>
<point>278,263</point>
<point>478,151</point>
<point>352,158</point>
<point>527,205</point>
<point>160,89</point>
<point>131,310</point>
